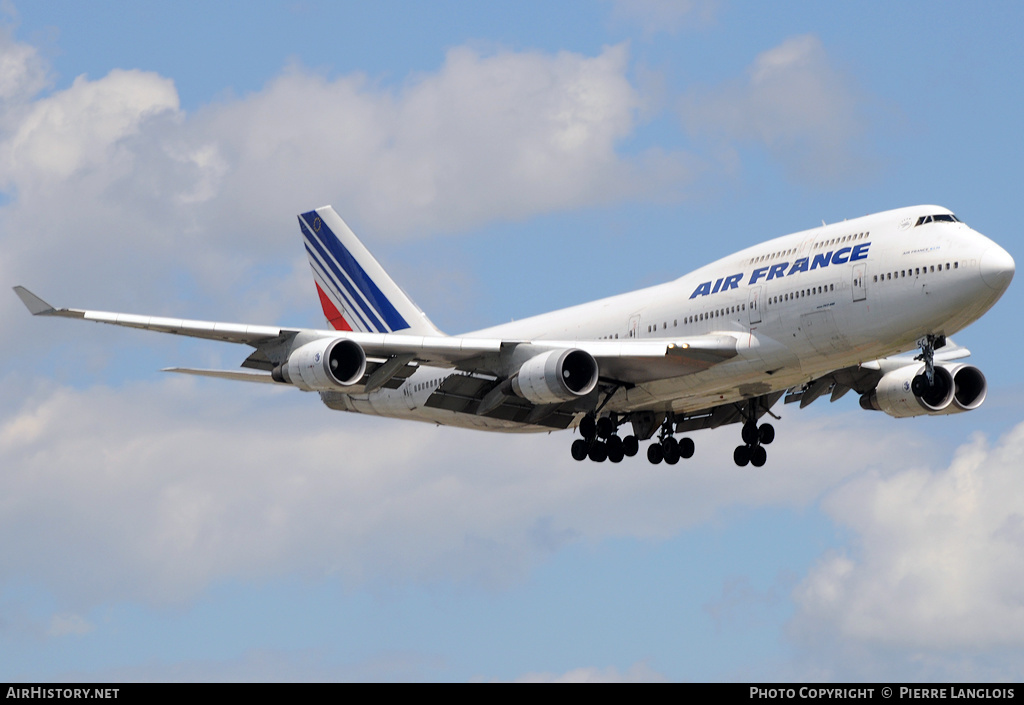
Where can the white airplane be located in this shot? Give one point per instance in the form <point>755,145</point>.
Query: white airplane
<point>819,311</point>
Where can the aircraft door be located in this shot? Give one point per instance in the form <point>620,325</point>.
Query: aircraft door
<point>754,305</point>
<point>633,328</point>
<point>860,291</point>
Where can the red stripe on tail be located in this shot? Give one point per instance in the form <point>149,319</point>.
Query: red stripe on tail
<point>331,311</point>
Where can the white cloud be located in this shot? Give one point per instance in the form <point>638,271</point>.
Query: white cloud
<point>794,103</point>
<point>938,557</point>
<point>112,183</point>
<point>80,127</point>
<point>506,135</point>
<point>156,491</point>
<point>23,73</point>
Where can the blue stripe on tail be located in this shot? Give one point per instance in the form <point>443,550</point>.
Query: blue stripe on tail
<point>319,234</point>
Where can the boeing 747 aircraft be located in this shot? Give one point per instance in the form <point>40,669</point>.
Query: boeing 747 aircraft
<point>818,312</point>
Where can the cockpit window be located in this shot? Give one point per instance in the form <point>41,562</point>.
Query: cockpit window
<point>940,218</point>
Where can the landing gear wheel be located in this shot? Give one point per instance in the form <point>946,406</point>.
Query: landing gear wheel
<point>630,446</point>
<point>671,450</point>
<point>766,434</point>
<point>741,456</point>
<point>605,427</point>
<point>758,456</point>
<point>599,452</point>
<point>579,449</point>
<point>616,452</point>
<point>749,434</point>
<point>588,428</point>
<point>686,448</point>
<point>655,454</point>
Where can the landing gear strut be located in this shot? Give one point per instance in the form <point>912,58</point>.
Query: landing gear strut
<point>601,441</point>
<point>754,439</point>
<point>925,382</point>
<point>667,448</point>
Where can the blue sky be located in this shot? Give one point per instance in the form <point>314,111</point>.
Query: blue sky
<point>501,160</point>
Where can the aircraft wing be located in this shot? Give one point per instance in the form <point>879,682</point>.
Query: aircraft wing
<point>620,361</point>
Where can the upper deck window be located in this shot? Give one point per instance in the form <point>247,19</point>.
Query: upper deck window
<point>940,218</point>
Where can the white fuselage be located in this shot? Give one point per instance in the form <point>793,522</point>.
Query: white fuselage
<point>800,306</point>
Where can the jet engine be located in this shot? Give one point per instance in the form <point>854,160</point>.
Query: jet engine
<point>957,388</point>
<point>556,376</point>
<point>323,365</point>
<point>971,388</point>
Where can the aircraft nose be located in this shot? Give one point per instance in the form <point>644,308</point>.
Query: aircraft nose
<point>997,268</point>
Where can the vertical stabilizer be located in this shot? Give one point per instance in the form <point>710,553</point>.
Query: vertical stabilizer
<point>355,291</point>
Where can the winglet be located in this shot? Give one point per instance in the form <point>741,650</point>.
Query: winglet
<point>35,305</point>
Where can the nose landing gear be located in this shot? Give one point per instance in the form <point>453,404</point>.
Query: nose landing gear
<point>925,383</point>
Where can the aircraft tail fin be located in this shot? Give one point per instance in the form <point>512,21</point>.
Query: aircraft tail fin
<point>355,291</point>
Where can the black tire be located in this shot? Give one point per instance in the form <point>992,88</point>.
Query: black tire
<point>579,449</point>
<point>630,446</point>
<point>766,434</point>
<point>686,447</point>
<point>655,454</point>
<point>741,456</point>
<point>758,456</point>
<point>749,434</point>
<point>605,427</point>
<point>588,428</point>
<point>615,454</point>
<point>599,452</point>
<point>615,444</point>
<point>671,453</point>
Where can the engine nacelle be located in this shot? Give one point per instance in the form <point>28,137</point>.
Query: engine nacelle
<point>556,376</point>
<point>323,365</point>
<point>957,388</point>
<point>971,388</point>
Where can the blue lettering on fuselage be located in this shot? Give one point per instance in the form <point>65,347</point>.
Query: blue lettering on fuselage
<point>776,271</point>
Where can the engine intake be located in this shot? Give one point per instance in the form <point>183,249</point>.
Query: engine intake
<point>323,365</point>
<point>556,376</point>
<point>971,388</point>
<point>957,388</point>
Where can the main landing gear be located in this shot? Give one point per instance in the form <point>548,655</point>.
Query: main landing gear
<point>667,448</point>
<point>755,438</point>
<point>601,441</point>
